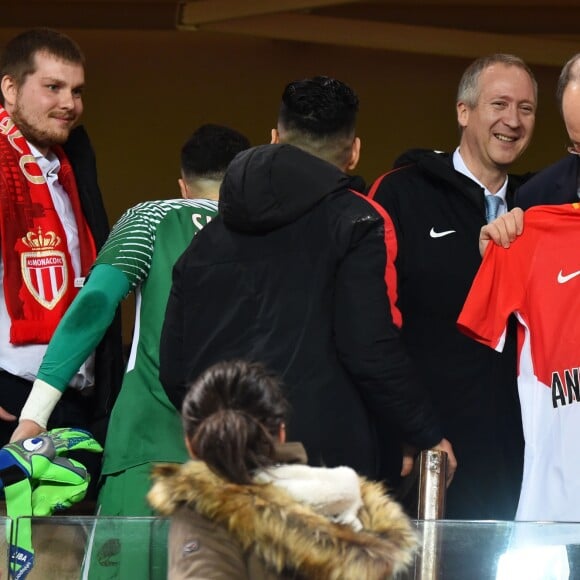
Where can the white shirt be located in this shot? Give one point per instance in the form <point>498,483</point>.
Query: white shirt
<point>24,361</point>
<point>459,165</point>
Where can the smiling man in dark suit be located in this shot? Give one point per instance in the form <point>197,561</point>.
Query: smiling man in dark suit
<point>560,182</point>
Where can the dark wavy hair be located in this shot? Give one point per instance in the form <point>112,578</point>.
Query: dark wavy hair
<point>320,106</point>
<point>319,116</point>
<point>232,416</point>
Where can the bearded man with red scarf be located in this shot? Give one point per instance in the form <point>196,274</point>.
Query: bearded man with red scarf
<point>52,223</point>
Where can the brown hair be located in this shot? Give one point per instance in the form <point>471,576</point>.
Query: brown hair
<point>232,416</point>
<point>18,56</point>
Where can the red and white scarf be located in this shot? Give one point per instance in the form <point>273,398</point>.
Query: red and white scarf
<point>38,273</point>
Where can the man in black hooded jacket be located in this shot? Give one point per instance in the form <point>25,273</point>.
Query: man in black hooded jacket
<point>437,202</point>
<point>294,272</point>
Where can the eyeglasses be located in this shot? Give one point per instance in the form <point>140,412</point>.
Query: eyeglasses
<point>574,149</point>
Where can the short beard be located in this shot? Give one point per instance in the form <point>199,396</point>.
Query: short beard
<point>38,138</point>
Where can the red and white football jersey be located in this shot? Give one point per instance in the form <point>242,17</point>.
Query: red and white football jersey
<point>538,279</point>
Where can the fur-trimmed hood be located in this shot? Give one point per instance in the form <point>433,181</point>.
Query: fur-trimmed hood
<point>287,535</point>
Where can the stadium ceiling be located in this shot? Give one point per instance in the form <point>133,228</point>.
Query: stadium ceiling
<point>543,32</point>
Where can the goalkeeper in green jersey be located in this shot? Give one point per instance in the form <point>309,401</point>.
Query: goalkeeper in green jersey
<point>138,256</point>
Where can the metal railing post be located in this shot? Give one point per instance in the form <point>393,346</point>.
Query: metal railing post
<point>432,484</point>
<point>430,507</point>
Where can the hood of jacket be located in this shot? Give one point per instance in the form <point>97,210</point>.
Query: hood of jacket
<point>286,534</point>
<point>270,186</point>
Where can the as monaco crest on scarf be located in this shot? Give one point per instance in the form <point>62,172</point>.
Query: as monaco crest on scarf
<point>44,269</point>
<point>38,273</point>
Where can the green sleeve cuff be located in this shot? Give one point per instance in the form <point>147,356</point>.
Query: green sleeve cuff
<point>83,326</point>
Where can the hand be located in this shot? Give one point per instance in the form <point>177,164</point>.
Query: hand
<point>409,454</point>
<point>503,230</point>
<point>39,455</point>
<point>6,416</point>
<point>444,445</point>
<point>26,430</point>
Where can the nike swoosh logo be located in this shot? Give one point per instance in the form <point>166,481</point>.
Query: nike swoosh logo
<point>563,279</point>
<point>435,234</point>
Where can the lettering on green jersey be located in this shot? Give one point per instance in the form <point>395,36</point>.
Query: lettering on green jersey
<point>200,220</point>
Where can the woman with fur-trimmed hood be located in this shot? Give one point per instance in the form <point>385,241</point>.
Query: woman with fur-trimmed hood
<point>247,506</point>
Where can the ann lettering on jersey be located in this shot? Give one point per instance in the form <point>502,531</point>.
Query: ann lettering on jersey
<point>566,388</point>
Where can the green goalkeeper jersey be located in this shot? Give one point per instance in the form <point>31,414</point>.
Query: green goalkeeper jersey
<point>139,255</point>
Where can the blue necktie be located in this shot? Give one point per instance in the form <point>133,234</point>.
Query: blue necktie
<point>492,203</point>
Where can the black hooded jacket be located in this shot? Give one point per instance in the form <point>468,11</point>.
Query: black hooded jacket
<point>292,273</point>
<point>437,214</point>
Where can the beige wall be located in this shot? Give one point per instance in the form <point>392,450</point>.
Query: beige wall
<point>147,91</point>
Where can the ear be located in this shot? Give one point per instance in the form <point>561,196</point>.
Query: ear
<point>9,90</point>
<point>189,449</point>
<point>354,154</point>
<point>282,433</point>
<point>275,140</point>
<point>183,188</point>
<point>462,114</point>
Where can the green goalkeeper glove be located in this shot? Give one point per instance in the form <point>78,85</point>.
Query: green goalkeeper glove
<point>37,479</point>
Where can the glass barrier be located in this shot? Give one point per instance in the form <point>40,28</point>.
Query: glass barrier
<point>84,547</point>
<point>4,544</point>
<point>461,550</point>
